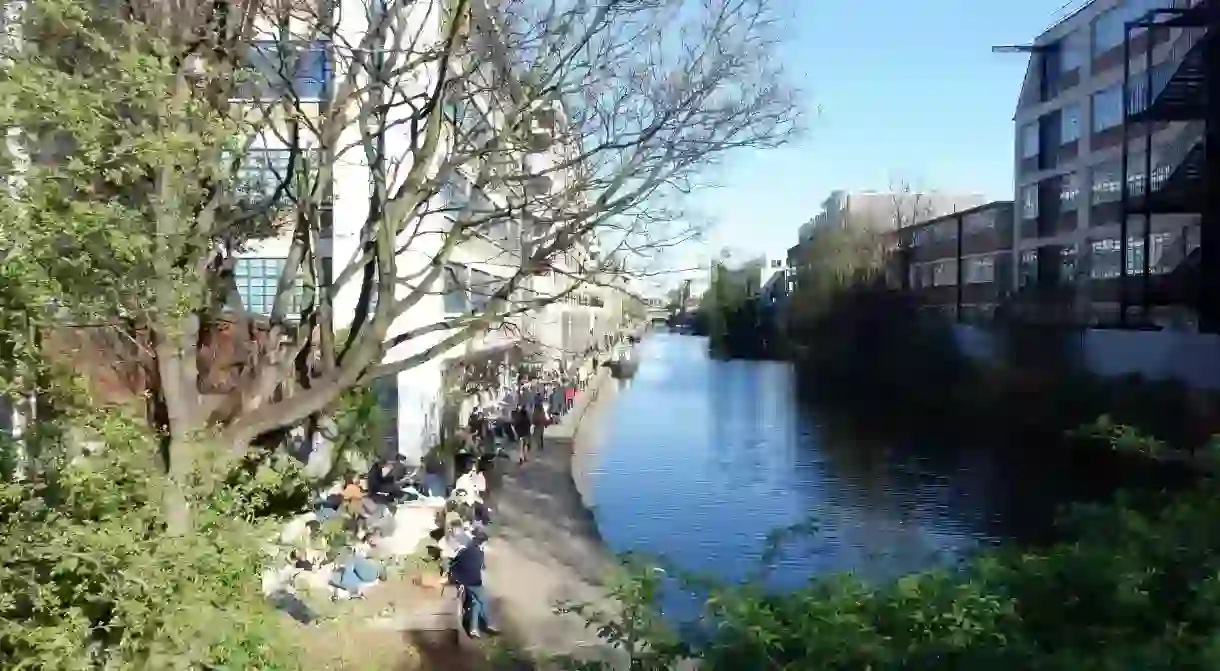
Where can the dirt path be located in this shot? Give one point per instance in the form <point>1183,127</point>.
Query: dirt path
<point>545,547</point>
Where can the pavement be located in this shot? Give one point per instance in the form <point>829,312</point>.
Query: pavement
<point>545,548</point>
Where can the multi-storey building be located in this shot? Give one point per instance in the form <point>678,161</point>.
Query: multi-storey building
<point>415,399</point>
<point>1088,249</point>
<point>880,212</point>
<point>960,263</point>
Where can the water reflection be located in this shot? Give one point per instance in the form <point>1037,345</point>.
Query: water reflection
<point>701,459</point>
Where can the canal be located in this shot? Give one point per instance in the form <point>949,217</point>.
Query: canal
<point>698,460</point>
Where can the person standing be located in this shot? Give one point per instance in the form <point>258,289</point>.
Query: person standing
<point>466,571</point>
<point>521,426</point>
<point>539,420</point>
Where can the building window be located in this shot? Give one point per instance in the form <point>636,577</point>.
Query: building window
<point>1192,235</point>
<point>468,290</point>
<point>944,273</point>
<point>1069,191</point>
<point>1069,120</point>
<point>453,195</point>
<point>277,69</point>
<point>979,269</point>
<point>979,222</point>
<point>1029,201</point>
<point>1072,51</point>
<point>925,275</point>
<point>1067,264</point>
<point>913,276</point>
<point>1029,140</point>
<point>1107,108</point>
<point>943,231</point>
<point>1105,183</point>
<point>1160,261</point>
<point>1027,268</point>
<point>1104,263</point>
<point>257,280</point>
<point>1108,31</point>
<point>263,171</point>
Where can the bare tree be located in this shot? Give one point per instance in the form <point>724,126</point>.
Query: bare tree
<point>909,205</point>
<point>550,144</point>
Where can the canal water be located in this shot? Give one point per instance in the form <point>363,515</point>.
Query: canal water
<point>699,460</point>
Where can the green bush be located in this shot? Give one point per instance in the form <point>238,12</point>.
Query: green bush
<point>90,580</point>
<point>1137,586</point>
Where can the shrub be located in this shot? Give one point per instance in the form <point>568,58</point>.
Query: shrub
<point>89,580</point>
<point>1136,587</point>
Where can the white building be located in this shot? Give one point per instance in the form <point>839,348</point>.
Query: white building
<point>477,266</point>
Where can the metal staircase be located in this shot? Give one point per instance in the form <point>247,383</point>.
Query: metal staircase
<point>1172,90</point>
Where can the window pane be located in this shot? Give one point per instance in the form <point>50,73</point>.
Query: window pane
<point>456,298</point>
<point>1108,31</point>
<point>1029,201</point>
<point>1107,108</point>
<point>1105,183</point>
<point>257,280</point>
<point>276,69</point>
<point>1070,123</point>
<point>1072,51</point>
<point>1029,140</point>
<point>1069,189</point>
<point>1105,259</point>
<point>978,222</point>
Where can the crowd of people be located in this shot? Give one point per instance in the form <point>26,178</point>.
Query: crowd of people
<point>363,511</point>
<point>499,415</point>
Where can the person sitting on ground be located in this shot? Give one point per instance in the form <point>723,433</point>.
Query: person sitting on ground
<point>472,480</point>
<point>386,479</point>
<point>353,494</point>
<point>466,571</point>
<point>356,572</point>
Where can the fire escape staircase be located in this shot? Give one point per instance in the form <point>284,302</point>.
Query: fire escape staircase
<point>1178,180</point>
<point>1178,95</point>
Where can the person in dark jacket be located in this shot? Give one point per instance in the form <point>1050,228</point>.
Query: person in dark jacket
<point>466,570</point>
<point>386,479</point>
<point>522,426</point>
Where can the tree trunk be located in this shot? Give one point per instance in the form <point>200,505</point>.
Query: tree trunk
<point>182,418</point>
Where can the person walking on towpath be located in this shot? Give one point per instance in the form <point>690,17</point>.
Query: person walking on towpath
<point>538,422</point>
<point>522,426</point>
<point>466,571</point>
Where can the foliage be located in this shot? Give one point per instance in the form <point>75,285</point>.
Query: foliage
<point>1122,438</point>
<point>735,321</point>
<point>1135,587</point>
<point>629,620</point>
<point>91,581</point>
<point>834,262</point>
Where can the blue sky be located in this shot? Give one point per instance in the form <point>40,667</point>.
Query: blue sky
<point>906,88</point>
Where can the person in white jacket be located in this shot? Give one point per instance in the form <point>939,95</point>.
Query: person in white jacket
<point>473,482</point>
